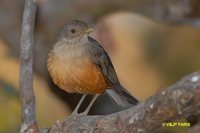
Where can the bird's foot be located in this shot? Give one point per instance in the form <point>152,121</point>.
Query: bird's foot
<point>75,115</point>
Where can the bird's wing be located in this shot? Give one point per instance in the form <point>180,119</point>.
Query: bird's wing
<point>102,61</point>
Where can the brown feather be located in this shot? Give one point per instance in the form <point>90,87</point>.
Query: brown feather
<point>77,75</point>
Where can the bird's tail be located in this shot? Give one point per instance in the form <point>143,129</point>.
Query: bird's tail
<point>121,96</point>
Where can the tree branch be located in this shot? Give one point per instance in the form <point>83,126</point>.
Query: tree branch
<point>179,100</point>
<point>27,98</point>
<point>195,128</point>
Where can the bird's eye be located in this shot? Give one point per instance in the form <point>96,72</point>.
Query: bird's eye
<point>73,30</point>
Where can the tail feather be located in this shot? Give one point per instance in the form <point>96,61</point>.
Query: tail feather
<point>121,96</point>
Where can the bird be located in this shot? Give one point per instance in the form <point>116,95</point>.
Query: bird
<point>77,63</point>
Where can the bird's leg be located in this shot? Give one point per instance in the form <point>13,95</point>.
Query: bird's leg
<point>75,112</point>
<point>90,104</point>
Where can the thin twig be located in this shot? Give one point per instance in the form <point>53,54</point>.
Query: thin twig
<point>26,68</point>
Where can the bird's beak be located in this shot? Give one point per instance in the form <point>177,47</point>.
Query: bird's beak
<point>88,30</point>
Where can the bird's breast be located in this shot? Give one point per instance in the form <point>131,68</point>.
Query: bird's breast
<point>74,72</point>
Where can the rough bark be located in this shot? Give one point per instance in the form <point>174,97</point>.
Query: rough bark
<point>179,100</point>
<point>27,98</point>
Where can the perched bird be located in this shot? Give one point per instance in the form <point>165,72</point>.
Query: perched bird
<point>79,64</point>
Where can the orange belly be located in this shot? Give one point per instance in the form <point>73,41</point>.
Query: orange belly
<point>77,75</point>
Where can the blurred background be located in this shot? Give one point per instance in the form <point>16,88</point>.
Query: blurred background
<point>152,44</point>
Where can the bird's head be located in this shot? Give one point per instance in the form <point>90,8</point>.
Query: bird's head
<point>74,30</point>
